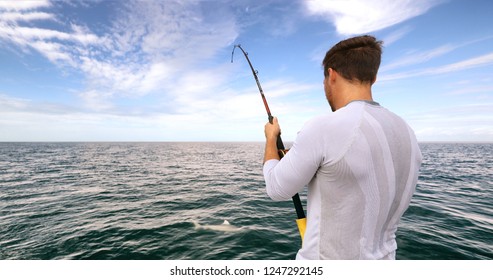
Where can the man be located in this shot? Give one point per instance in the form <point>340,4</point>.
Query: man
<point>360,162</point>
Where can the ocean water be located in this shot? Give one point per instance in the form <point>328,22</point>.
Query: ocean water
<point>140,201</point>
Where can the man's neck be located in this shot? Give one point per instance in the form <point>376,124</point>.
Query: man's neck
<point>353,91</point>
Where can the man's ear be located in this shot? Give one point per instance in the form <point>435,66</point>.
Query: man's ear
<point>332,75</point>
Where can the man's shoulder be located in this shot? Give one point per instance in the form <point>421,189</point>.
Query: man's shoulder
<point>318,122</point>
<point>346,116</point>
<point>332,127</point>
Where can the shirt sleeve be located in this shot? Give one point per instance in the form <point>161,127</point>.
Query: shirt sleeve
<point>288,176</point>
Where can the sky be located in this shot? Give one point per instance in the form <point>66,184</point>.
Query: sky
<point>162,71</point>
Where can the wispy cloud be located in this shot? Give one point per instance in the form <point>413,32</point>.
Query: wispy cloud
<point>475,62</point>
<point>470,122</point>
<point>414,58</point>
<point>479,61</point>
<point>147,46</point>
<point>472,89</point>
<point>396,35</point>
<point>23,5</point>
<point>172,29</point>
<point>19,106</point>
<point>57,46</point>
<point>352,17</point>
<point>17,16</point>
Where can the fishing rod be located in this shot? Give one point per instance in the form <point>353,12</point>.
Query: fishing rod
<point>300,213</point>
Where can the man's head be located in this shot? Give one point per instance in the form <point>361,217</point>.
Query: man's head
<point>356,59</point>
<point>350,68</point>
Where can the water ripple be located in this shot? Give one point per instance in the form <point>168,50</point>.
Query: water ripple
<point>138,201</point>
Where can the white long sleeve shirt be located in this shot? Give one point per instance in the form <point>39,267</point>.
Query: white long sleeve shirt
<point>361,166</point>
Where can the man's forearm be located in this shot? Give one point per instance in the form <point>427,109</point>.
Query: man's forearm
<point>271,151</point>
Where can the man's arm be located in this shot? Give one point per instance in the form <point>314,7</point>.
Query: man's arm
<point>284,178</point>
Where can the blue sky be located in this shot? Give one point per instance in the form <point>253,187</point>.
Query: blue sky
<point>161,70</point>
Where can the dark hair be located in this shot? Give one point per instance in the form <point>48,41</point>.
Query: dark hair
<point>355,58</point>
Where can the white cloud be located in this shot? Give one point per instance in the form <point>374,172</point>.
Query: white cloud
<point>57,46</point>
<point>471,122</point>
<point>53,51</point>
<point>479,61</point>
<point>173,29</point>
<point>471,89</point>
<point>281,88</point>
<point>414,57</point>
<point>418,57</point>
<point>96,100</point>
<point>11,104</point>
<point>23,5</point>
<point>17,16</point>
<point>352,17</point>
<point>32,34</point>
<point>395,36</point>
<point>147,46</point>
